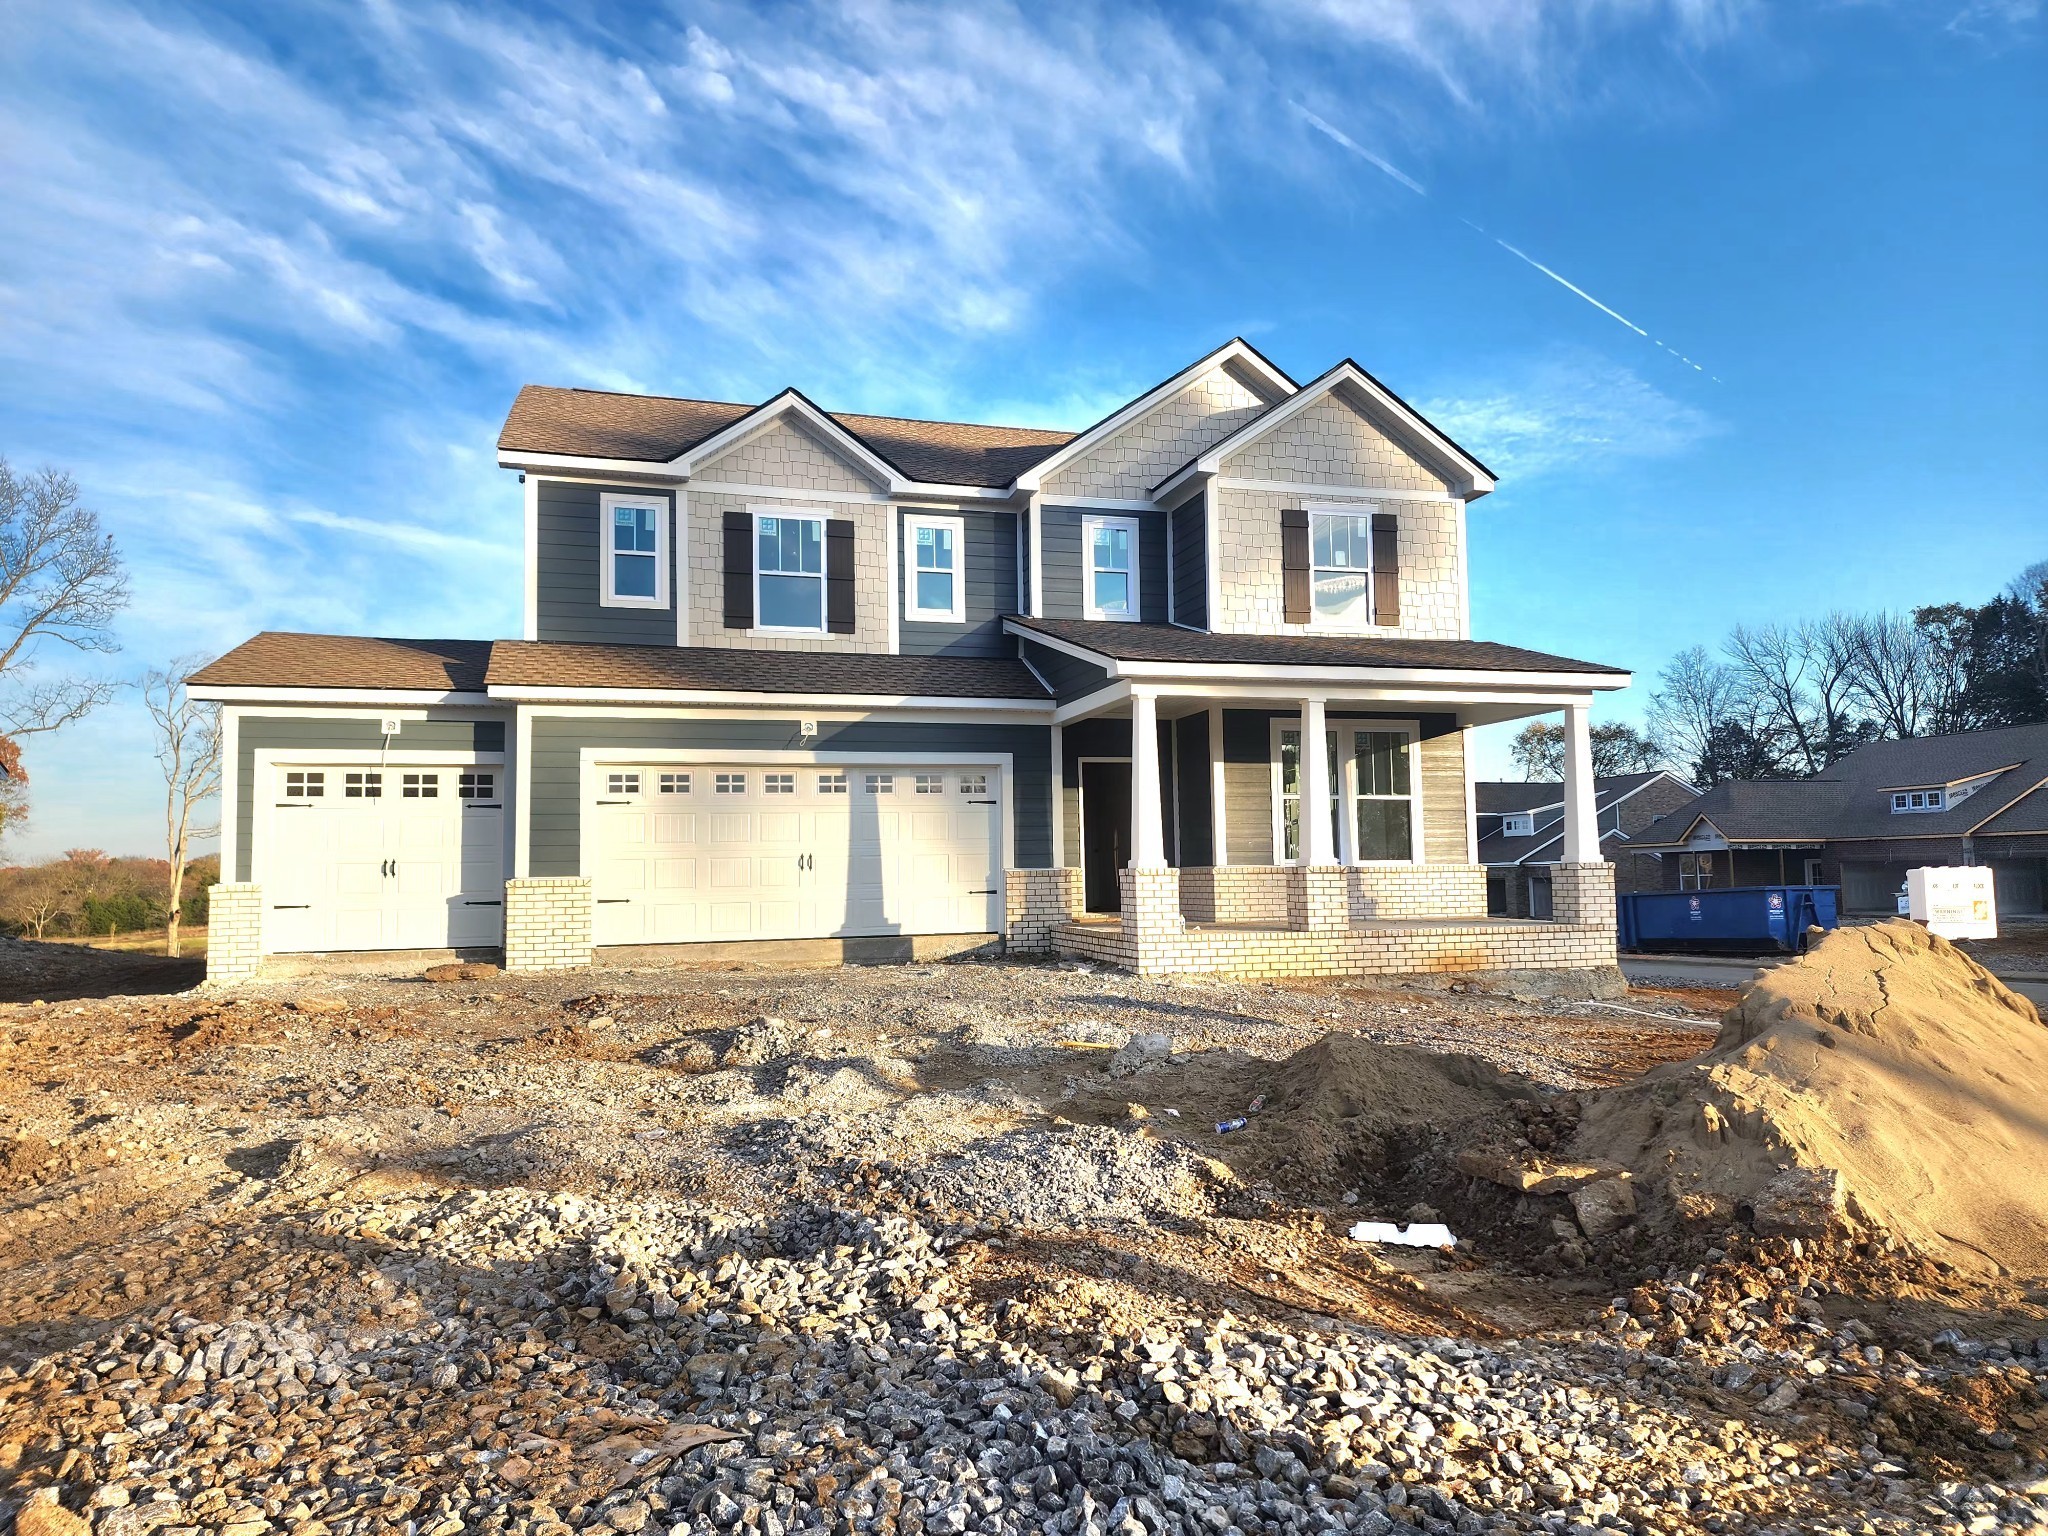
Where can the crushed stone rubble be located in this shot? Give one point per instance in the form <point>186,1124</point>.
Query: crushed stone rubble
<point>347,1324</point>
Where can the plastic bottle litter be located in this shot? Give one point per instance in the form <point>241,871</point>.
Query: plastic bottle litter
<point>1258,1103</point>
<point>1225,1127</point>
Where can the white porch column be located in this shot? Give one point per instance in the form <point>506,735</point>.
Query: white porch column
<point>1581,820</point>
<point>1148,835</point>
<point>1315,786</point>
<point>1219,825</point>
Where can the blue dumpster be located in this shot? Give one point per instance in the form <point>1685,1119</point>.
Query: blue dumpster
<point>1743,919</point>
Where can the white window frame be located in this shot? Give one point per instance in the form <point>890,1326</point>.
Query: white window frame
<point>1932,801</point>
<point>1365,510</point>
<point>1518,824</point>
<point>957,526</point>
<point>607,569</point>
<point>1347,730</point>
<point>1089,524</point>
<point>792,514</point>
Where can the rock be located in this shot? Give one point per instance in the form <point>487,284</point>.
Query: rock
<point>1604,1207</point>
<point>44,1516</point>
<point>317,1005</point>
<point>466,970</point>
<point>1534,1175</point>
<point>1781,1397</point>
<point>1801,1202</point>
<point>1139,1052</point>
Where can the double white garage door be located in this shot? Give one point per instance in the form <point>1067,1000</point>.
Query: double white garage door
<point>746,851</point>
<point>392,857</point>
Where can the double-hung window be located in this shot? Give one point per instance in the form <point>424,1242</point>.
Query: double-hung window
<point>634,556</point>
<point>789,572</point>
<point>933,578</point>
<point>1340,562</point>
<point>1371,776</point>
<point>1110,552</point>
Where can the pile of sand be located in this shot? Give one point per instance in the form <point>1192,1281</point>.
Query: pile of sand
<point>1884,1080</point>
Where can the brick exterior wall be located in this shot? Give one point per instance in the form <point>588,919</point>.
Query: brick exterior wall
<point>1036,902</point>
<point>234,932</point>
<point>1318,896</point>
<point>1417,890</point>
<point>1134,460</point>
<point>1235,893</point>
<point>1280,953</point>
<point>548,923</point>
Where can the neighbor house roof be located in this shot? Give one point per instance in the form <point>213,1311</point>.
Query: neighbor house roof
<point>284,659</point>
<point>520,665</point>
<point>1852,801</point>
<point>1168,643</point>
<point>1546,802</point>
<point>597,424</point>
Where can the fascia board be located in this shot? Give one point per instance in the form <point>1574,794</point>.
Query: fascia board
<point>540,463</point>
<point>221,694</point>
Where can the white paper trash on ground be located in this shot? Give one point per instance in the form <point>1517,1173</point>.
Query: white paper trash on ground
<point>1421,1234</point>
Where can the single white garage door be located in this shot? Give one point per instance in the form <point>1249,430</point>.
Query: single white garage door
<point>407,857</point>
<point>739,851</point>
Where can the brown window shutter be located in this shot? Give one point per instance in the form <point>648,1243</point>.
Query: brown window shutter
<point>739,571</point>
<point>1294,572</point>
<point>1386,568</point>
<point>839,576</point>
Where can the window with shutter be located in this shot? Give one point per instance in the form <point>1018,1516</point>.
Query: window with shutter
<point>1296,605</point>
<point>840,610</point>
<point>739,570</point>
<point>1386,569</point>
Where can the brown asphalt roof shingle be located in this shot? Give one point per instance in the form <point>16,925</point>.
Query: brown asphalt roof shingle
<point>722,669</point>
<point>1170,643</point>
<point>283,659</point>
<point>595,424</point>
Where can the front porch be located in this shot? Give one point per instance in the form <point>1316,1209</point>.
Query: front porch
<point>1182,843</point>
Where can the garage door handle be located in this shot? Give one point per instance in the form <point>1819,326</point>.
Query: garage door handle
<point>981,802</point>
<point>614,901</point>
<point>483,903</point>
<point>291,906</point>
<point>989,892</point>
<point>614,802</point>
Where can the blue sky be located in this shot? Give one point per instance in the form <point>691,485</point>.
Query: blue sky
<point>271,275</point>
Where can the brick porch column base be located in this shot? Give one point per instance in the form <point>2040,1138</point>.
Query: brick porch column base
<point>548,923</point>
<point>1152,925</point>
<point>1583,895</point>
<point>1035,903</point>
<point>1318,896</point>
<point>234,932</point>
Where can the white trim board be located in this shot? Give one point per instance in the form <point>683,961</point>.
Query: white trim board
<point>957,526</point>
<point>342,696</point>
<point>609,502</point>
<point>652,697</point>
<point>1306,488</point>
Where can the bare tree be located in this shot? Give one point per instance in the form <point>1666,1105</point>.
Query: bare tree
<point>1538,751</point>
<point>1695,695</point>
<point>1772,665</point>
<point>61,581</point>
<point>188,744</point>
<point>1892,673</point>
<point>36,898</point>
<point>13,785</point>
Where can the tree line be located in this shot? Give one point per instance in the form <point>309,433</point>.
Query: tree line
<point>87,893</point>
<point>1788,700</point>
<point>62,586</point>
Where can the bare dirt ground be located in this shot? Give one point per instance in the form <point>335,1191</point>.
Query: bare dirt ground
<point>923,1248</point>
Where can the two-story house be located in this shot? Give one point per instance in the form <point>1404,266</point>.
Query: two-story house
<point>788,674</point>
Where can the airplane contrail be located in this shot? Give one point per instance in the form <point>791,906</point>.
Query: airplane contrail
<point>1339,136</point>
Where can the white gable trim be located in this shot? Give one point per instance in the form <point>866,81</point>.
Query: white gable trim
<point>1403,416</point>
<point>1236,350</point>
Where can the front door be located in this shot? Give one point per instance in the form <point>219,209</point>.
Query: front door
<point>1105,833</point>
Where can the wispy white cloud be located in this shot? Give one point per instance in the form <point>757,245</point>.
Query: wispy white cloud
<point>1569,411</point>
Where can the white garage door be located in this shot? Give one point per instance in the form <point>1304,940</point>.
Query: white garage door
<point>739,851</point>
<point>407,857</point>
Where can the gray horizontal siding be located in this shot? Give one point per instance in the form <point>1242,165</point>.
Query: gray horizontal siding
<point>262,733</point>
<point>555,807</point>
<point>1069,676</point>
<point>1190,564</point>
<point>1059,557</point>
<point>989,557</point>
<point>567,572</point>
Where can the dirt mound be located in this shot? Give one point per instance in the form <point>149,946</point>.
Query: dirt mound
<point>1347,1108</point>
<point>1884,1080</point>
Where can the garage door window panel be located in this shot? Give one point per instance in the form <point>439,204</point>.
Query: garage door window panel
<point>789,573</point>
